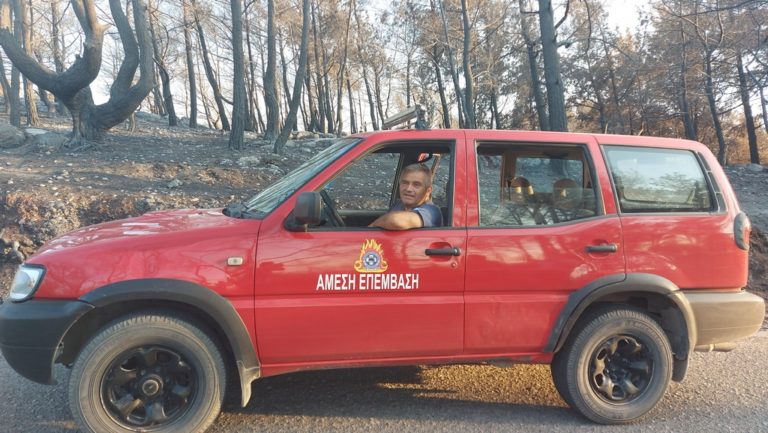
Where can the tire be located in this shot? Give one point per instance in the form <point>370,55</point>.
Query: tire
<point>614,368</point>
<point>148,372</point>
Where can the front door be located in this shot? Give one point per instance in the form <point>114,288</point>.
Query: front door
<point>343,291</point>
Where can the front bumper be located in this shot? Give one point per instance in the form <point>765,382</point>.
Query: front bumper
<point>724,317</point>
<point>31,331</point>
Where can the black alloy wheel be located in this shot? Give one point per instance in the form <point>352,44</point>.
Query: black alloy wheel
<point>149,386</point>
<point>620,369</point>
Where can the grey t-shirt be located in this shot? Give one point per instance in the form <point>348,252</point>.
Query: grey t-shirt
<point>429,212</point>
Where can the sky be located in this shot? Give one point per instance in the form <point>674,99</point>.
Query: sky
<point>623,13</point>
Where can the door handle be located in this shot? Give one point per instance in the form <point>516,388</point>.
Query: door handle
<point>605,248</point>
<point>450,251</point>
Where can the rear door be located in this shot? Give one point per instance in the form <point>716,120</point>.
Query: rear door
<point>351,293</point>
<point>541,230</point>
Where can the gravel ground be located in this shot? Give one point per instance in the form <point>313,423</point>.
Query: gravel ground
<point>723,392</point>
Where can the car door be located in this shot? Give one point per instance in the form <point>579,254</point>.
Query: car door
<point>541,231</point>
<point>355,293</point>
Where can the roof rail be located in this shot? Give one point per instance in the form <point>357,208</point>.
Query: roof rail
<point>404,117</point>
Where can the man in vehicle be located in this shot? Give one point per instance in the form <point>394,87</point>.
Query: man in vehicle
<point>414,209</point>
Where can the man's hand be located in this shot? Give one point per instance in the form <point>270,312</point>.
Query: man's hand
<point>398,220</point>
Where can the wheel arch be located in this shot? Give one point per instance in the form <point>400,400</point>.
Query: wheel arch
<point>211,309</point>
<point>652,293</point>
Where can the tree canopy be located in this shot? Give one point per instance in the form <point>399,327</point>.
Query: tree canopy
<point>683,68</point>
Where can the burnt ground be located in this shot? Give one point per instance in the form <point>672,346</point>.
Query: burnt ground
<point>46,191</point>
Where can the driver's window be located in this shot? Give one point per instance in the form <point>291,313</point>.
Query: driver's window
<point>364,189</point>
<point>368,187</point>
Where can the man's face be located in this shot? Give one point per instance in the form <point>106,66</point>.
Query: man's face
<point>413,189</point>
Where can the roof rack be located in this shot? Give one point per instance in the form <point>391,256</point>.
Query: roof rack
<point>404,117</point>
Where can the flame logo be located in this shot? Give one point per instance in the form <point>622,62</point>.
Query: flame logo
<point>371,258</point>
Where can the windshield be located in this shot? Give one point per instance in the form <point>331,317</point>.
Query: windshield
<point>267,200</point>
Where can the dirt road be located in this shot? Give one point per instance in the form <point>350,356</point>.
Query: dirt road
<point>724,392</point>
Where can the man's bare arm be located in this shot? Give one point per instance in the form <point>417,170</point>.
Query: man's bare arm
<point>398,220</point>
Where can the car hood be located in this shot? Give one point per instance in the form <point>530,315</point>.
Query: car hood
<point>150,224</point>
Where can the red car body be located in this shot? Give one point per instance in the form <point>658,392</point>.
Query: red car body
<point>304,300</point>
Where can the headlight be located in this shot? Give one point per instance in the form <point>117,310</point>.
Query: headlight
<point>25,283</point>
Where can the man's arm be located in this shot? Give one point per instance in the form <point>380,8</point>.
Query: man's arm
<point>398,220</point>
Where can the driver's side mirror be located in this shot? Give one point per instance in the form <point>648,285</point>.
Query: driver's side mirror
<point>308,209</point>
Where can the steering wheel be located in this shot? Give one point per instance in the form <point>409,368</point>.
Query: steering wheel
<point>333,214</point>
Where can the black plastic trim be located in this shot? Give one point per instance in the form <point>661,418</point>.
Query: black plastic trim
<point>185,292</point>
<point>612,284</point>
<point>31,331</point>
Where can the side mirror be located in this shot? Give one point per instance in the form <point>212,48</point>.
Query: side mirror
<point>308,209</point>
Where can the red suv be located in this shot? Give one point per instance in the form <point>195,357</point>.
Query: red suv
<point>610,257</point>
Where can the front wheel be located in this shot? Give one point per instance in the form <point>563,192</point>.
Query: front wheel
<point>615,367</point>
<point>148,372</point>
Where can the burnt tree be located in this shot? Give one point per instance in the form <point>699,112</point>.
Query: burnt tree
<point>91,121</point>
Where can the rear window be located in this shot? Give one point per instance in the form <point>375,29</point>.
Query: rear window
<point>658,180</point>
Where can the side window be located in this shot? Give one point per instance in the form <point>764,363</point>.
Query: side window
<point>658,180</point>
<point>524,185</point>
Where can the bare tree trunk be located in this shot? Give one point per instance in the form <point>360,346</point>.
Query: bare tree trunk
<point>312,121</point>
<point>209,71</point>
<point>24,21</point>
<point>190,65</point>
<point>50,106</point>
<point>13,100</point>
<point>371,105</point>
<point>165,79</point>
<point>352,121</point>
<point>538,97</point>
<point>441,91</point>
<point>688,124</point>
<point>343,68</point>
<point>270,84</point>
<point>298,82</point>
<point>57,56</point>
<point>593,80</point>
<point>555,92</point>
<point>284,64</point>
<point>460,101</point>
<point>722,153</point>
<point>617,117</point>
<point>762,99</point>
<point>377,93</point>
<point>256,123</point>
<point>754,154</point>
<point>238,85</point>
<point>329,113</point>
<point>495,115</point>
<point>469,92</point>
<point>12,19</point>
<point>318,75</point>
<point>5,85</point>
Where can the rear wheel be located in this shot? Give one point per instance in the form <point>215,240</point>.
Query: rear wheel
<point>148,372</point>
<point>615,367</point>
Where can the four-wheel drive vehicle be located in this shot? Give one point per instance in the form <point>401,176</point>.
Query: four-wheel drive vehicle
<point>610,257</point>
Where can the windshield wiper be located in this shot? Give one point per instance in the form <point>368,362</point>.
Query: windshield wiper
<point>239,210</point>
